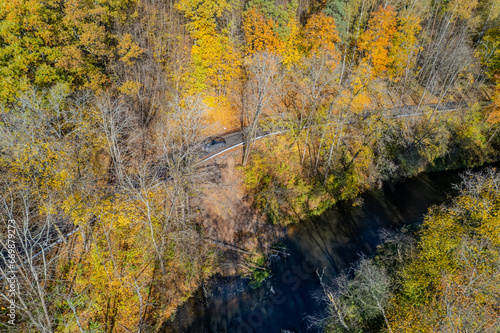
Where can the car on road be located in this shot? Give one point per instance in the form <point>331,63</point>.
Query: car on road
<point>213,144</point>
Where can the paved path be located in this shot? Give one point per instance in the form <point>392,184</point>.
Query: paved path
<point>234,140</point>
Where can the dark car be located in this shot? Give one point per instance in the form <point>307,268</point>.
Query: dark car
<point>214,144</point>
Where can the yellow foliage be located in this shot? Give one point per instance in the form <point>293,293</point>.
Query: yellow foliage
<point>291,51</point>
<point>260,34</point>
<point>404,52</point>
<point>128,49</point>
<point>119,267</point>
<point>214,58</point>
<point>130,88</point>
<point>456,271</point>
<point>462,9</point>
<point>320,37</point>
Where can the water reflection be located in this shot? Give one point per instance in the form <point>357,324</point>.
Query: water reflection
<point>330,242</point>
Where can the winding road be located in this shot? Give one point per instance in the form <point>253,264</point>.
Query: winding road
<point>235,140</point>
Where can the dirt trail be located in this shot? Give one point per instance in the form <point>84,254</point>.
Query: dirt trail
<point>227,216</point>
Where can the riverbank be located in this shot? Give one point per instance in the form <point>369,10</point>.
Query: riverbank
<point>305,172</point>
<point>330,242</point>
<point>235,218</point>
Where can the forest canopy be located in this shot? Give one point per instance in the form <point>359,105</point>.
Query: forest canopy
<point>105,106</point>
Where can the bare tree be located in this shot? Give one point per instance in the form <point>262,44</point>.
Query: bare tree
<point>337,301</point>
<point>265,75</point>
<point>372,289</point>
<point>351,302</point>
<point>26,262</point>
<point>115,122</point>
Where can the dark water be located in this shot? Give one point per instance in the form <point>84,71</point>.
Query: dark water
<point>329,243</point>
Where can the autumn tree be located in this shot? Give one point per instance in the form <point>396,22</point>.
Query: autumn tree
<point>44,43</point>
<point>403,54</point>
<point>376,41</point>
<point>336,9</point>
<point>214,57</point>
<point>260,34</point>
<point>42,155</point>
<point>313,84</point>
<point>136,232</point>
<point>320,37</point>
<point>280,14</point>
<point>452,283</point>
<point>27,265</point>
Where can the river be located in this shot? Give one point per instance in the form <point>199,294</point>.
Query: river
<point>329,243</point>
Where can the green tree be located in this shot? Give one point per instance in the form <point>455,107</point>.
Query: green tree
<point>44,42</point>
<point>280,14</point>
<point>337,10</point>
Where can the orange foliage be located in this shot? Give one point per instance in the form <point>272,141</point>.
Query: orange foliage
<point>260,33</point>
<point>221,114</point>
<point>377,40</point>
<point>320,34</point>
